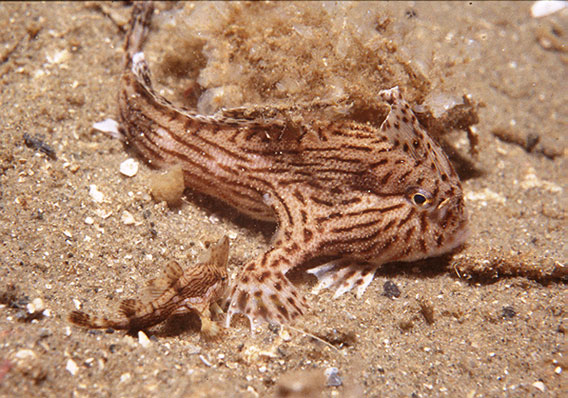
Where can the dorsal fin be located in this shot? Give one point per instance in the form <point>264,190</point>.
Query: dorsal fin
<point>172,272</point>
<point>156,287</point>
<point>405,132</point>
<point>218,254</point>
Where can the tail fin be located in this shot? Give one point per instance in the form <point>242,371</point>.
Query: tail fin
<point>85,320</point>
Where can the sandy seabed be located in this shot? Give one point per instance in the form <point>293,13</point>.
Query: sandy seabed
<point>486,321</point>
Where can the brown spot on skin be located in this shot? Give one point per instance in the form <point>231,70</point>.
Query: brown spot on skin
<point>263,276</point>
<point>292,249</point>
<point>242,300</point>
<point>262,312</point>
<point>308,235</point>
<point>284,312</point>
<point>264,259</point>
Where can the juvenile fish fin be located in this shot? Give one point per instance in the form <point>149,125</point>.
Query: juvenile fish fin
<point>131,308</point>
<point>343,276</point>
<point>218,254</point>
<point>156,287</point>
<point>85,320</point>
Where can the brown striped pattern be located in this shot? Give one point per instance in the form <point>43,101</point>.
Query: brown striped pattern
<point>337,188</point>
<point>176,291</point>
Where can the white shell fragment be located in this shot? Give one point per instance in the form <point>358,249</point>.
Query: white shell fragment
<point>143,340</point>
<point>543,8</point>
<point>36,306</point>
<point>109,126</point>
<point>127,218</point>
<point>129,167</point>
<point>95,194</point>
<point>72,367</point>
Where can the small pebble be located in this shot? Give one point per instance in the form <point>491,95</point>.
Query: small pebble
<point>539,385</point>
<point>391,290</point>
<point>129,167</point>
<point>333,379</point>
<point>508,312</point>
<point>125,377</point>
<point>543,8</point>
<point>285,335</point>
<point>127,218</point>
<point>95,194</point>
<point>168,187</point>
<point>108,126</point>
<point>205,361</point>
<point>143,339</point>
<point>72,367</point>
<point>36,306</point>
<point>89,220</point>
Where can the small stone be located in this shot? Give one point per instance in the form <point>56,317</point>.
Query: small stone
<point>25,354</point>
<point>285,335</point>
<point>36,306</point>
<point>391,290</point>
<point>27,363</point>
<point>127,218</point>
<point>558,370</point>
<point>143,339</point>
<point>77,304</point>
<point>333,379</point>
<point>168,187</point>
<point>539,385</point>
<point>72,367</point>
<point>508,312</point>
<point>205,361</point>
<point>125,377</point>
<point>129,167</point>
<point>108,126</point>
<point>95,194</point>
<point>89,220</point>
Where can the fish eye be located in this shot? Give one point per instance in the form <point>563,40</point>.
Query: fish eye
<point>420,198</point>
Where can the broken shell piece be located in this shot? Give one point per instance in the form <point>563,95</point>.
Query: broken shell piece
<point>95,194</point>
<point>36,306</point>
<point>127,218</point>
<point>543,8</point>
<point>143,340</point>
<point>108,126</point>
<point>72,367</point>
<point>129,167</point>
